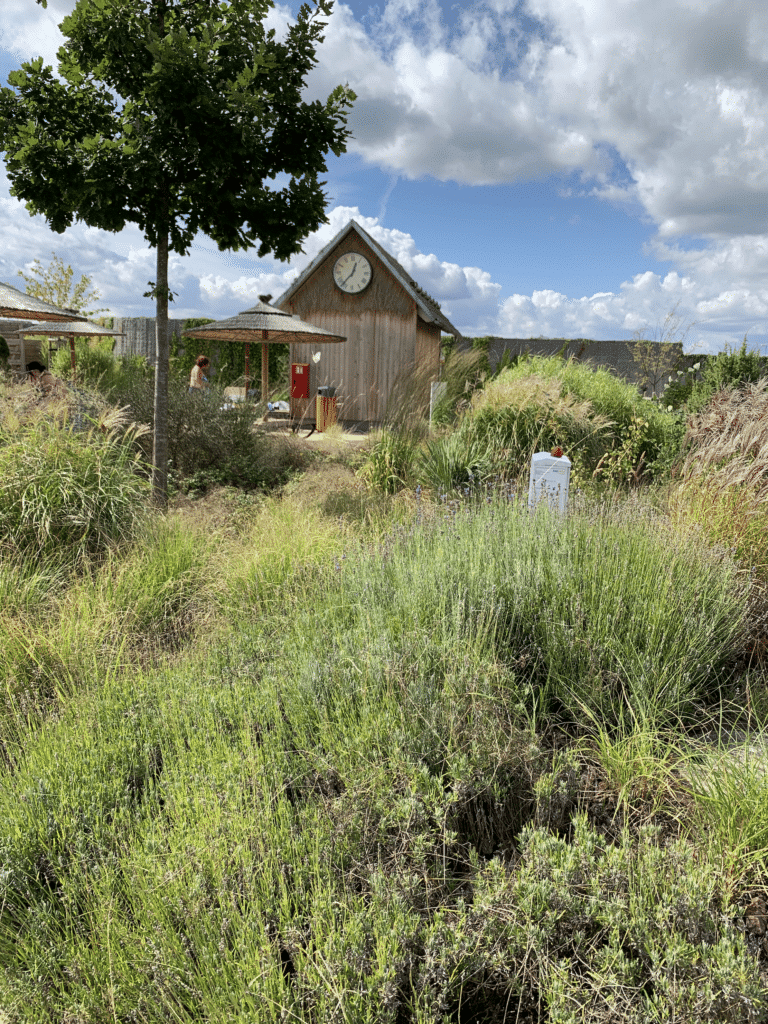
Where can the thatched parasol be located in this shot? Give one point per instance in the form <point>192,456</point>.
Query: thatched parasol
<point>71,330</point>
<point>15,304</point>
<point>263,325</point>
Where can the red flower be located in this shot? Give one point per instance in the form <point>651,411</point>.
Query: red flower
<point>557,452</point>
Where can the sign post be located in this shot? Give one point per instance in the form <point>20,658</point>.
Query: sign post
<point>550,480</point>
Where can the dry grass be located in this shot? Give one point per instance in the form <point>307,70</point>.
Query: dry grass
<point>728,441</point>
<point>537,391</point>
<point>723,483</point>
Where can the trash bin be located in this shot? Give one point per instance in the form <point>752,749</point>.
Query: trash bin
<point>325,415</point>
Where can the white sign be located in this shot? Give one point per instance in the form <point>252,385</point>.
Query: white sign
<point>550,479</point>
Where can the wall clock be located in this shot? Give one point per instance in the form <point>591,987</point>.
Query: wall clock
<point>352,272</point>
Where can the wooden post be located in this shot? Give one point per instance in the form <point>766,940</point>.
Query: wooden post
<point>72,359</point>
<point>247,368</point>
<point>264,368</point>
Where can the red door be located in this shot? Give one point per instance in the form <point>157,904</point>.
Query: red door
<point>299,380</point>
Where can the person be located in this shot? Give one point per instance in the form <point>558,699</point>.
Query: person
<point>41,378</point>
<point>198,379</point>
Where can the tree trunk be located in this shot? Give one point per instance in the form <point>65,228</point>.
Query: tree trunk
<point>162,355</point>
<point>162,346</point>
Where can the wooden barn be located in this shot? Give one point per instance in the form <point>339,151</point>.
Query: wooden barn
<point>355,288</point>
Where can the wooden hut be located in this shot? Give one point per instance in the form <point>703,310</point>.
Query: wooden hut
<point>356,289</point>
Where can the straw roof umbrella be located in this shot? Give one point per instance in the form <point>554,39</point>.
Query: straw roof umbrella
<point>72,329</point>
<point>14,304</point>
<point>263,325</point>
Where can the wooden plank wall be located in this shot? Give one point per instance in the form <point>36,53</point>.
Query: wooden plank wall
<point>428,347</point>
<point>140,338</point>
<point>364,368</point>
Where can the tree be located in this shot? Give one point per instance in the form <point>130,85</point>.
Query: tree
<point>179,116</point>
<point>54,285</point>
<point>657,352</point>
<point>733,367</point>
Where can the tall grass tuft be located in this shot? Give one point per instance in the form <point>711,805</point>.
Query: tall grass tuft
<point>650,436</point>
<point>389,460</point>
<point>503,425</point>
<point>533,413</point>
<point>463,373</point>
<point>729,790</point>
<point>133,606</point>
<point>723,484</point>
<point>65,494</point>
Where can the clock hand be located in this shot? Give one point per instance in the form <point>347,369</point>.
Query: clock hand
<point>352,274</point>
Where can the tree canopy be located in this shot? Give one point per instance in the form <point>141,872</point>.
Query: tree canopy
<point>181,116</point>
<point>54,284</point>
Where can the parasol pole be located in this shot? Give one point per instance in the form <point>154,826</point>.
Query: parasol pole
<point>264,368</point>
<point>247,367</point>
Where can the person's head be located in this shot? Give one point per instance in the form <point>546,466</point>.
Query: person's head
<point>35,368</point>
<point>202,362</point>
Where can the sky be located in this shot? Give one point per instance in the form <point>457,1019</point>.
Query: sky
<point>543,168</point>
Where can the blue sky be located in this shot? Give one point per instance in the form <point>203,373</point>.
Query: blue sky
<point>556,168</point>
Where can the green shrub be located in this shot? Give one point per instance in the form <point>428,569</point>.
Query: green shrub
<point>679,387</point>
<point>210,445</point>
<point>512,417</point>
<point>611,921</point>
<point>601,611</point>
<point>597,418</point>
<point>345,812</point>
<point>656,432</point>
<point>729,368</point>
<point>534,413</point>
<point>94,361</point>
<point>97,368</point>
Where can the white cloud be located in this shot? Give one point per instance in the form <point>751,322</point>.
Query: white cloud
<point>511,92</point>
<point>679,91</point>
<point>29,31</point>
<point>715,315</point>
<point>427,106</point>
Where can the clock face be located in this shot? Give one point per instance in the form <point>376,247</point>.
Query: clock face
<point>352,272</point>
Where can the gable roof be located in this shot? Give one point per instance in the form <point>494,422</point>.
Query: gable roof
<point>428,309</point>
